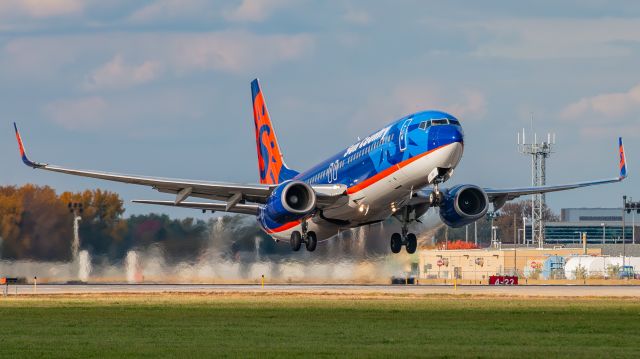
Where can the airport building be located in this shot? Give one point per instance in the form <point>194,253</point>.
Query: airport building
<point>478,264</point>
<point>601,225</point>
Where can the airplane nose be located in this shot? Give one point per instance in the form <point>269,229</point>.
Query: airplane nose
<point>444,135</point>
<point>452,134</point>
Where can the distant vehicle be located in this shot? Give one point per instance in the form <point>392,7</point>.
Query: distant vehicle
<point>395,171</point>
<point>627,272</point>
<point>403,280</point>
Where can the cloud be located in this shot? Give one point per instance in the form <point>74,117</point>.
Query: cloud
<point>606,131</point>
<point>78,114</point>
<point>154,110</point>
<point>416,97</point>
<point>170,9</point>
<point>152,54</point>
<point>357,17</point>
<point>406,98</point>
<point>41,8</point>
<point>554,38</point>
<point>117,74</point>
<point>235,51</point>
<point>254,10</point>
<point>608,105</point>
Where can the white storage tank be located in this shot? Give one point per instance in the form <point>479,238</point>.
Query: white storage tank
<point>596,266</point>
<point>577,264</point>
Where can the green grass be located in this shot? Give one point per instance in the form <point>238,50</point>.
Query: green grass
<point>194,326</point>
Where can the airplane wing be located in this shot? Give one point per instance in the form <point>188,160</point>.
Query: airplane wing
<point>233,194</point>
<point>499,196</point>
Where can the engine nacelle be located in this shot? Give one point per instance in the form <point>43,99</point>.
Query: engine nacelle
<point>463,204</point>
<point>290,201</point>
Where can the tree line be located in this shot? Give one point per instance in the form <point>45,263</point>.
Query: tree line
<point>36,223</point>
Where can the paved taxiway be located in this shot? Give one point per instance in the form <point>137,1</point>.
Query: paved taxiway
<point>529,290</point>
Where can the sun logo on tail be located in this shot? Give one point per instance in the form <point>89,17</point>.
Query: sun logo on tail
<point>270,163</point>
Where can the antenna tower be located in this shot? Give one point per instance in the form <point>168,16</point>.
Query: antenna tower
<point>539,153</point>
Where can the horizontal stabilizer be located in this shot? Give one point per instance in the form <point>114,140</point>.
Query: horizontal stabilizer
<point>208,206</point>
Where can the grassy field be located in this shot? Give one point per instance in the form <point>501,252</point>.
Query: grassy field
<point>240,325</point>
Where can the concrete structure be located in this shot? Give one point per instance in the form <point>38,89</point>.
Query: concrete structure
<point>479,264</point>
<point>607,215</point>
<point>602,226</point>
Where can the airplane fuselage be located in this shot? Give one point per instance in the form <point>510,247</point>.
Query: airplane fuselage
<point>380,172</point>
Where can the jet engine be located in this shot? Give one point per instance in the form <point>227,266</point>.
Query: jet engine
<point>463,204</point>
<point>290,201</point>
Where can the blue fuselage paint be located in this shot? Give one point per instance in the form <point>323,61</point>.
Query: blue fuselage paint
<point>408,137</point>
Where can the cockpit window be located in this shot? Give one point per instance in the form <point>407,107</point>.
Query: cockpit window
<point>454,122</point>
<point>440,121</point>
<point>424,125</point>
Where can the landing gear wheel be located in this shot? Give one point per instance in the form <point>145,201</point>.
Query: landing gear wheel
<point>311,242</point>
<point>296,241</point>
<point>396,243</point>
<point>412,243</point>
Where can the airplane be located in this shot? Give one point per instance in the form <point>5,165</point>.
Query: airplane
<point>397,171</point>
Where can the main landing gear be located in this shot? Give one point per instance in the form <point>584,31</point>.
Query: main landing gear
<point>409,240</point>
<point>309,239</point>
<point>406,239</point>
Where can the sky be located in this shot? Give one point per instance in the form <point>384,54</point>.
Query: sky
<point>162,88</point>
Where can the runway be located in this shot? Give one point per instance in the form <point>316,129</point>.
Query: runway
<point>412,290</point>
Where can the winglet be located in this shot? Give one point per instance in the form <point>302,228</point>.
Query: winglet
<point>25,159</point>
<point>623,159</point>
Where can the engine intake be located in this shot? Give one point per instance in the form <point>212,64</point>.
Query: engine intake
<point>298,197</point>
<point>290,201</point>
<point>463,204</point>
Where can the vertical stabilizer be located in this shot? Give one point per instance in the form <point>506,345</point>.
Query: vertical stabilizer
<point>271,164</point>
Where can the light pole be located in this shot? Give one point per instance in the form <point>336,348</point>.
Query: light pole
<point>466,233</point>
<point>524,230</point>
<point>475,233</point>
<point>630,206</point>
<point>604,228</point>
<point>494,238</point>
<point>624,206</point>
<point>491,216</point>
<point>579,235</point>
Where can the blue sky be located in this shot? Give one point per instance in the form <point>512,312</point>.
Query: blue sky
<point>162,87</point>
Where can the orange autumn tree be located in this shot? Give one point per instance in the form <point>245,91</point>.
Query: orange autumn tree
<point>35,222</point>
<point>458,245</point>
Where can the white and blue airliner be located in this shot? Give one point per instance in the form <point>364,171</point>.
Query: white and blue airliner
<point>397,171</point>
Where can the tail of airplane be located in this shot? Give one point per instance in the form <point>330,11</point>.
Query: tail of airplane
<point>271,164</point>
